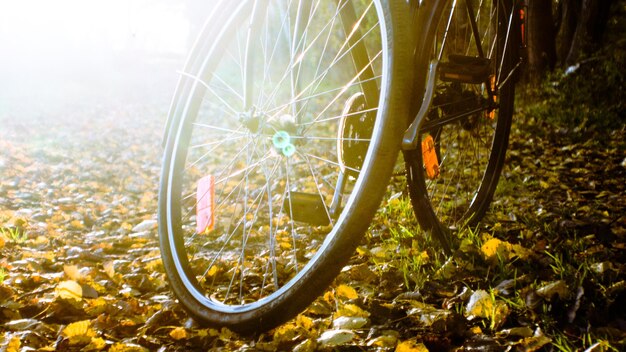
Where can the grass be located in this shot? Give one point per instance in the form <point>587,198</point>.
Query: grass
<point>14,235</point>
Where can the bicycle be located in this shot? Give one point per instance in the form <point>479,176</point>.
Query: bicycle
<point>285,127</point>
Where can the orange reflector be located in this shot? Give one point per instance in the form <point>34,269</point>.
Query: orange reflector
<point>205,208</point>
<point>492,113</point>
<point>429,156</point>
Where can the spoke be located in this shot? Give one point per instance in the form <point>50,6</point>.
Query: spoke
<point>232,233</point>
<point>241,171</point>
<point>207,153</point>
<point>344,89</point>
<point>272,233</point>
<point>244,241</point>
<point>506,45</point>
<point>204,84</point>
<point>227,166</point>
<point>217,128</point>
<point>445,33</point>
<point>340,55</point>
<point>329,162</point>
<point>228,87</point>
<point>334,139</point>
<point>317,186</point>
<point>318,94</point>
<point>288,71</point>
<point>339,117</point>
<point>209,144</point>
<point>269,63</point>
<point>354,80</point>
<point>217,144</point>
<point>294,234</point>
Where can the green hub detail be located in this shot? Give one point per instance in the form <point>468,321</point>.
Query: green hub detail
<point>282,142</point>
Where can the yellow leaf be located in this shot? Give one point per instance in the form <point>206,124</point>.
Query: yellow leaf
<point>411,346</point>
<point>77,224</point>
<point>347,292</point>
<point>96,306</point>
<point>178,333</point>
<point>226,334</point>
<point>154,265</point>
<point>14,344</point>
<point>304,322</point>
<point>69,290</point>
<point>534,343</point>
<point>127,347</point>
<point>72,272</point>
<point>285,332</point>
<point>476,330</point>
<point>40,240</point>
<point>79,333</point>
<point>362,251</point>
<point>351,310</point>
<point>109,269</point>
<point>212,271</point>
<point>520,251</point>
<point>79,328</point>
<point>329,297</point>
<point>96,344</point>
<point>480,304</point>
<point>379,252</point>
<point>494,247</point>
<point>385,341</point>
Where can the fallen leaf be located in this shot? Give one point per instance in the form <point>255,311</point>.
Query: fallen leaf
<point>384,341</point>
<point>14,343</point>
<point>557,288</point>
<point>127,347</point>
<point>347,292</point>
<point>480,305</point>
<point>79,333</point>
<point>352,310</point>
<point>306,346</point>
<point>335,337</point>
<point>145,225</point>
<point>72,272</point>
<point>109,269</point>
<point>534,343</point>
<point>78,328</point>
<point>494,248</point>
<point>350,323</point>
<point>483,305</point>
<point>69,290</point>
<point>411,346</point>
<point>178,333</point>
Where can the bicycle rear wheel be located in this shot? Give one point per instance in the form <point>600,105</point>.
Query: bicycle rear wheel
<point>284,131</point>
<point>463,138</point>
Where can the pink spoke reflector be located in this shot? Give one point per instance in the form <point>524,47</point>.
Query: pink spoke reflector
<point>205,208</point>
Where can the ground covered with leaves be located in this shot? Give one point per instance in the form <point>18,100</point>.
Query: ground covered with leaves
<point>80,267</point>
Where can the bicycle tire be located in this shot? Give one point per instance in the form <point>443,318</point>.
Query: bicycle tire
<point>467,178</point>
<point>248,259</point>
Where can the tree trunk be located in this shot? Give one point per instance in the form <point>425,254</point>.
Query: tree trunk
<point>594,15</point>
<point>541,38</point>
<point>569,13</point>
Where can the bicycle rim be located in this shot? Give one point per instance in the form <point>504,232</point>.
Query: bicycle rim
<point>263,179</point>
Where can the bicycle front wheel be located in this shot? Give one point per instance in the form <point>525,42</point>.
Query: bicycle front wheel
<point>284,131</point>
<point>463,138</point>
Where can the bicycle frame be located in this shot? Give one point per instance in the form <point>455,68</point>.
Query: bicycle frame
<point>424,81</point>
